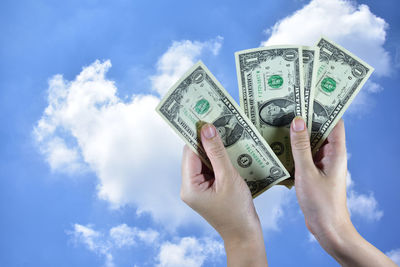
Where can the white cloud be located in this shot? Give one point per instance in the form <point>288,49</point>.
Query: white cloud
<point>349,181</point>
<point>354,27</point>
<point>61,157</point>
<point>372,87</point>
<point>363,99</point>
<point>132,151</point>
<point>86,235</point>
<point>178,59</point>
<point>105,244</point>
<point>311,238</point>
<point>148,236</point>
<point>186,251</point>
<point>365,206</point>
<point>94,241</point>
<point>270,206</point>
<point>134,154</point>
<point>394,255</point>
<point>189,252</point>
<point>123,235</point>
<point>362,205</point>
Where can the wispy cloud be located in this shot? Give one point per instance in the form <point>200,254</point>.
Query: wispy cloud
<point>93,241</point>
<point>362,205</point>
<point>123,235</point>
<point>186,251</point>
<point>311,238</point>
<point>364,101</point>
<point>189,252</point>
<point>394,255</point>
<point>103,243</point>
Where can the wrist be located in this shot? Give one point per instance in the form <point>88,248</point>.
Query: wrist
<point>246,250</point>
<point>244,234</point>
<point>244,240</point>
<point>331,230</point>
<point>340,240</point>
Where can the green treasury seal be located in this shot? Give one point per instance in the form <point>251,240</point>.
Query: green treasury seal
<point>202,106</point>
<point>328,85</point>
<point>275,81</point>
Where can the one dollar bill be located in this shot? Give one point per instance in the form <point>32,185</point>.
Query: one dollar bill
<point>339,77</point>
<point>271,93</point>
<point>198,98</point>
<point>310,61</point>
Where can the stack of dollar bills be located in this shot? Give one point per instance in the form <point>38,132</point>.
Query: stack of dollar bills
<point>276,84</point>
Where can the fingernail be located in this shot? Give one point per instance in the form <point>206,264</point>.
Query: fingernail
<point>298,124</point>
<point>208,131</point>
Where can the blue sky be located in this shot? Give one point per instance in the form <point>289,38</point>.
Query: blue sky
<point>89,174</point>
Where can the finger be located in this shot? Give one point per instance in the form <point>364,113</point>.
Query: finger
<point>301,149</point>
<point>337,138</point>
<point>335,155</point>
<point>191,166</point>
<point>320,153</point>
<point>193,181</point>
<point>216,151</point>
<point>207,171</point>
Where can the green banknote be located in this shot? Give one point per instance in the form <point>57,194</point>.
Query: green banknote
<point>198,98</point>
<point>339,77</point>
<point>271,93</point>
<point>310,60</point>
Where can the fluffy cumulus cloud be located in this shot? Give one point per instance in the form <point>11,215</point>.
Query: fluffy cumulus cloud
<point>353,26</point>
<point>394,255</point>
<point>189,252</point>
<point>104,244</point>
<point>93,241</point>
<point>134,154</point>
<point>125,143</point>
<point>363,205</point>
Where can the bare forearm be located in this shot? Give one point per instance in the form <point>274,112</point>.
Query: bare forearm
<point>249,252</point>
<point>349,248</point>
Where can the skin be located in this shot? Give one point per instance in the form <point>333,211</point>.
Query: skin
<point>321,192</point>
<point>224,200</point>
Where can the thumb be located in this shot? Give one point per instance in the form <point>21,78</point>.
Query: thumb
<point>216,151</point>
<point>300,142</point>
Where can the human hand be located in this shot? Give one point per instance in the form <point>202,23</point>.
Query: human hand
<point>321,186</point>
<point>224,200</point>
<point>321,193</point>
